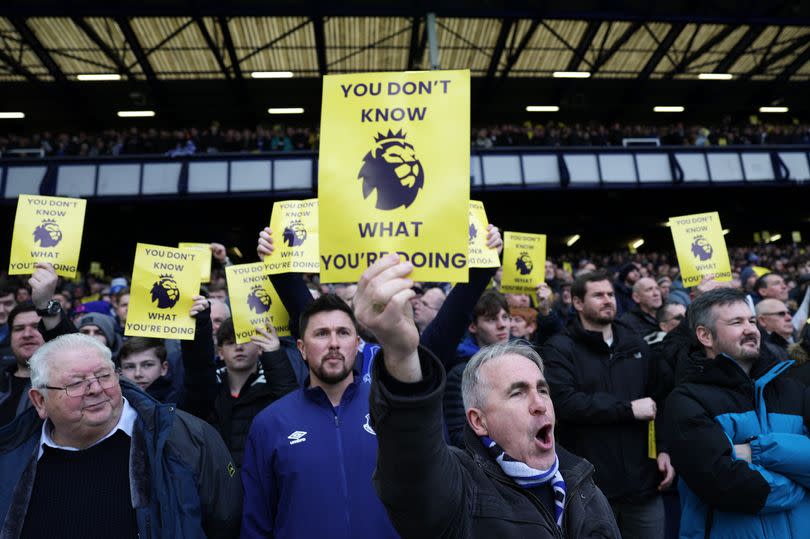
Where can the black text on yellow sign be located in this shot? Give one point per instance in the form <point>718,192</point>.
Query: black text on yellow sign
<point>164,282</point>
<point>394,173</point>
<point>254,302</point>
<point>47,229</point>
<point>700,247</point>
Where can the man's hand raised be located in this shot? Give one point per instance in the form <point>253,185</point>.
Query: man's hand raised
<point>382,304</point>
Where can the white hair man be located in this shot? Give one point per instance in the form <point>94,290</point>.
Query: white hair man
<point>98,457</point>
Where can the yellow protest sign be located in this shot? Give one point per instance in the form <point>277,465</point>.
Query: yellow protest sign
<point>524,262</point>
<point>164,280</point>
<point>480,256</point>
<point>701,247</point>
<point>204,251</point>
<point>295,237</point>
<point>394,173</point>
<point>759,271</point>
<point>254,301</point>
<point>47,229</point>
<point>796,236</point>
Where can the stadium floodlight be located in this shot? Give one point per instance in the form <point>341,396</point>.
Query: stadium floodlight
<point>715,76</point>
<point>12,115</point>
<point>638,243</point>
<point>96,77</point>
<point>136,113</point>
<point>272,74</point>
<point>288,110</point>
<point>542,108</point>
<point>668,108</point>
<point>773,109</point>
<point>572,240</point>
<point>571,74</point>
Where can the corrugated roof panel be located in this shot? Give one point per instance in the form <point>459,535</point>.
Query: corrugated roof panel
<point>549,49</point>
<point>181,47</point>
<point>605,37</point>
<point>466,43</point>
<point>69,47</point>
<point>292,38</point>
<point>26,58</point>
<point>109,32</point>
<point>669,61</point>
<point>631,59</point>
<point>357,44</point>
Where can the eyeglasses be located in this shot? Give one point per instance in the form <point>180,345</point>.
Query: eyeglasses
<point>780,314</point>
<point>82,387</point>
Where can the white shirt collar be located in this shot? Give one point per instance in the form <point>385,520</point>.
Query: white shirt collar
<point>126,423</point>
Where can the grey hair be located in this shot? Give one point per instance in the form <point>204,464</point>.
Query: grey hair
<point>41,360</point>
<point>701,310</point>
<point>474,389</point>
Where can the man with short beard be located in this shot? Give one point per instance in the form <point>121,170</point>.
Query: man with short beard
<point>737,430</point>
<point>310,455</point>
<point>604,383</point>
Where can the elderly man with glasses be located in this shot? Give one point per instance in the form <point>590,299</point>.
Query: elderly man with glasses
<point>97,457</point>
<point>776,325</point>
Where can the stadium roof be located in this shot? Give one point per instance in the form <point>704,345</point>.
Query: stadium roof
<point>155,43</point>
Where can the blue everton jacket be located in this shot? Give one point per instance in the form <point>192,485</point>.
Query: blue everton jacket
<point>719,406</point>
<point>307,468</point>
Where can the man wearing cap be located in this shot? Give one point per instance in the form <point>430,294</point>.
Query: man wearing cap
<point>101,327</point>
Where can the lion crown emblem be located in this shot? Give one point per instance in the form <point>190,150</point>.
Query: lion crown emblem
<point>48,234</point>
<point>702,249</point>
<point>393,170</point>
<point>524,264</point>
<point>165,292</point>
<point>294,234</point>
<point>258,300</point>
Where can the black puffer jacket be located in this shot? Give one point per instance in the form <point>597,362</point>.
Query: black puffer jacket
<point>592,386</point>
<point>432,490</point>
<point>208,394</point>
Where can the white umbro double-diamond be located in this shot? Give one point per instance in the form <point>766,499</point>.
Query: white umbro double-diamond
<point>297,437</point>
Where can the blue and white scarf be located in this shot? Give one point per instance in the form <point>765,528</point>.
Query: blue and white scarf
<point>528,477</point>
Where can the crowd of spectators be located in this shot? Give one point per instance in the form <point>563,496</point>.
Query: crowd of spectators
<point>594,134</point>
<point>215,138</point>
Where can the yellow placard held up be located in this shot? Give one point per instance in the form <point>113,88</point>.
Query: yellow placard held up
<point>295,237</point>
<point>204,251</point>
<point>394,173</point>
<point>480,256</point>
<point>164,280</point>
<point>47,229</point>
<point>701,247</point>
<point>796,236</point>
<point>254,301</point>
<point>524,262</point>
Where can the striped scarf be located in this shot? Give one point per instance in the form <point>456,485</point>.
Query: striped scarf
<point>528,477</point>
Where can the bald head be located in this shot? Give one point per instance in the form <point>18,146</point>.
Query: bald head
<point>648,295</point>
<point>774,316</point>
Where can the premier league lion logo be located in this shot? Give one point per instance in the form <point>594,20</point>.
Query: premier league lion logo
<point>473,232</point>
<point>393,170</point>
<point>702,249</point>
<point>48,234</point>
<point>259,300</point>
<point>295,234</point>
<point>165,292</point>
<point>524,264</point>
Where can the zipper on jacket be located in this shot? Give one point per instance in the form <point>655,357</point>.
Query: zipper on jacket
<point>537,503</point>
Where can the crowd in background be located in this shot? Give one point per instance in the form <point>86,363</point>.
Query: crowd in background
<point>216,138</point>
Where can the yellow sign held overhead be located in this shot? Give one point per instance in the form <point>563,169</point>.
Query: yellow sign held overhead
<point>254,302</point>
<point>524,262</point>
<point>295,237</point>
<point>480,256</point>
<point>701,247</point>
<point>164,280</point>
<point>796,236</point>
<point>394,173</point>
<point>47,229</point>
<point>204,251</point>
